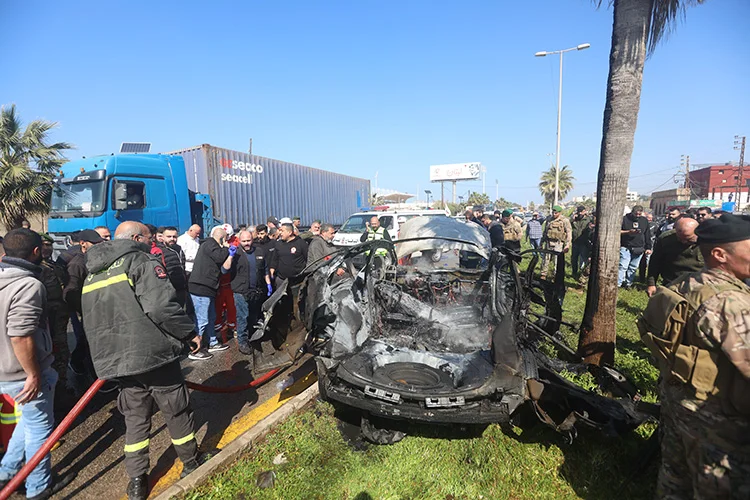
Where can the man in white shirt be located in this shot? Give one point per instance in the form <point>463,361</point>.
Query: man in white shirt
<point>190,241</point>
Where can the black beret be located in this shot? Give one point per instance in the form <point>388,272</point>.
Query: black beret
<point>726,229</point>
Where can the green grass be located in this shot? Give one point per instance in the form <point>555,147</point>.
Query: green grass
<point>492,463</point>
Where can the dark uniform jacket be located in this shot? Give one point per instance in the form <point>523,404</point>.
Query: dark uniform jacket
<point>289,257</point>
<point>134,323</point>
<point>54,277</point>
<point>76,276</point>
<point>204,280</point>
<point>497,235</point>
<point>174,261</point>
<point>672,258</point>
<point>581,231</point>
<point>241,279</point>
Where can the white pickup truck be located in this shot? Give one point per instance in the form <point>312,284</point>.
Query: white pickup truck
<point>351,231</point>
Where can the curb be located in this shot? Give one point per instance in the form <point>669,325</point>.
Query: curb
<point>239,445</point>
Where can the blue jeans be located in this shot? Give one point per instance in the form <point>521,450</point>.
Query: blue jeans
<point>242,312</point>
<point>205,317</point>
<point>32,430</point>
<point>628,266</point>
<point>535,242</point>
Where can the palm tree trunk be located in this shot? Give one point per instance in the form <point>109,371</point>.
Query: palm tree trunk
<point>626,59</point>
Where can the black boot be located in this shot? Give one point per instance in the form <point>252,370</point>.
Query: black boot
<point>138,488</point>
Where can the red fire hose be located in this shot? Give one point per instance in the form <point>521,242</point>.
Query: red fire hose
<point>81,404</point>
<point>50,442</point>
<point>235,388</point>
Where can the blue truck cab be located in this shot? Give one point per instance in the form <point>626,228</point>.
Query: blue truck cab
<point>108,190</point>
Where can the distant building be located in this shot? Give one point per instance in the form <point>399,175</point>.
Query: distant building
<point>631,195</point>
<point>663,200</point>
<point>719,182</point>
<point>581,199</point>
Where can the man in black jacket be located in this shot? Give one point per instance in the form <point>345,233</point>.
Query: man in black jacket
<point>251,284</point>
<point>174,261</point>
<point>80,358</point>
<point>635,240</point>
<point>288,259</point>
<point>137,331</point>
<point>213,259</point>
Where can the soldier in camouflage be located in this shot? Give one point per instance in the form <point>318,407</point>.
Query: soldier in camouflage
<point>698,329</point>
<point>557,237</point>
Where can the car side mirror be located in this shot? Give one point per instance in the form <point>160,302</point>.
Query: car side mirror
<point>121,196</point>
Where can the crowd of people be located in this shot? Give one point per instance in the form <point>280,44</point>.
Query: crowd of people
<point>138,301</point>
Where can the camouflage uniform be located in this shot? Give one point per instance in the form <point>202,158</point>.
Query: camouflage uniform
<point>705,421</point>
<point>512,232</point>
<point>557,236</point>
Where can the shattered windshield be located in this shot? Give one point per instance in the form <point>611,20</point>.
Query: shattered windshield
<point>78,196</point>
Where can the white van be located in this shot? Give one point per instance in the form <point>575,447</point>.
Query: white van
<point>351,231</point>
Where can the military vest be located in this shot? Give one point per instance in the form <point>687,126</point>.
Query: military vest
<point>666,329</point>
<point>511,231</point>
<point>556,229</point>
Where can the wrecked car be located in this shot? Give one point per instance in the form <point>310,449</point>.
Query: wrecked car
<point>439,327</point>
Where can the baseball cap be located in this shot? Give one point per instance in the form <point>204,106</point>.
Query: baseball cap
<point>272,220</point>
<point>285,220</point>
<point>90,236</point>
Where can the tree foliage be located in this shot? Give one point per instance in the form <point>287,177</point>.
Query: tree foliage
<point>28,163</point>
<point>547,184</point>
<point>478,199</point>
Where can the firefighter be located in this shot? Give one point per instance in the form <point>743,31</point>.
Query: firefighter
<point>137,330</point>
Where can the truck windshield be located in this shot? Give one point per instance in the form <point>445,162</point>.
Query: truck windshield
<point>87,196</point>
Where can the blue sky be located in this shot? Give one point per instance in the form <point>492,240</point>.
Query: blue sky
<point>360,87</point>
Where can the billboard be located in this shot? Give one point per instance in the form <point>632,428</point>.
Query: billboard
<point>455,172</point>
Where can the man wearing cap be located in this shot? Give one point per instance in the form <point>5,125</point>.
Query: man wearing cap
<point>675,252</point>
<point>698,329</point>
<point>557,237</point>
<point>512,231</point>
<point>80,358</point>
<point>635,240</point>
<point>534,231</point>
<point>581,228</point>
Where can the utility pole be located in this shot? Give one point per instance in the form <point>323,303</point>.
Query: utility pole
<point>497,190</point>
<point>685,163</point>
<point>739,143</point>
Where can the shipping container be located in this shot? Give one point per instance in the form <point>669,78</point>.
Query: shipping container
<point>247,189</point>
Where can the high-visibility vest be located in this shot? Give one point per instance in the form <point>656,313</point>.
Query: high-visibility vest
<point>10,414</point>
<point>376,235</point>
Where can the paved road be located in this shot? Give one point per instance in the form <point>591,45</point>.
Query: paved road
<point>92,448</point>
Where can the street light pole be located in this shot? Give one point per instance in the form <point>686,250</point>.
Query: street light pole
<point>559,123</point>
<point>559,110</point>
